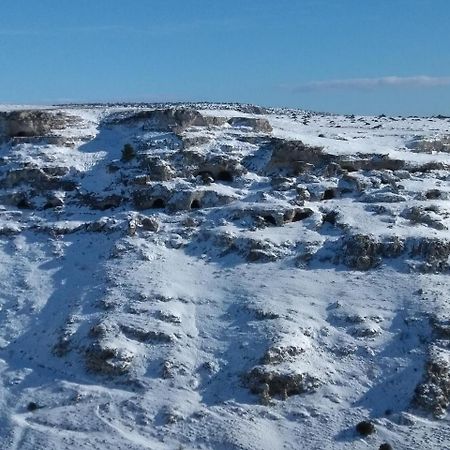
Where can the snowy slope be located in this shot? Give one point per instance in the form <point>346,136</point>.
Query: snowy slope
<point>249,279</point>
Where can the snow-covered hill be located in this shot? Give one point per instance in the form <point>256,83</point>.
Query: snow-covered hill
<point>237,278</point>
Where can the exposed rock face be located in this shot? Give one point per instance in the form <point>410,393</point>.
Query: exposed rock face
<point>433,394</point>
<point>428,216</point>
<point>430,146</point>
<point>103,203</point>
<point>269,383</point>
<point>375,162</point>
<point>364,252</point>
<point>255,124</point>
<point>149,223</point>
<point>107,360</point>
<point>156,196</point>
<point>157,169</point>
<point>175,120</point>
<point>221,168</point>
<point>436,253</point>
<point>31,123</point>
<point>293,157</point>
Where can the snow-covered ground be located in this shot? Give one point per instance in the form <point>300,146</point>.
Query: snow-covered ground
<point>248,279</point>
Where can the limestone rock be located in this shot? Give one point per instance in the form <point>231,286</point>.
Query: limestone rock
<point>255,124</point>
<point>278,383</point>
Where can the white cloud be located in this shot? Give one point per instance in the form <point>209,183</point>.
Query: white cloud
<point>421,81</point>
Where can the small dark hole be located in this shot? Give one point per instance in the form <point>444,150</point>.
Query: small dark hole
<point>365,428</point>
<point>224,175</point>
<point>24,204</point>
<point>195,204</point>
<point>328,194</point>
<point>433,194</point>
<point>32,406</point>
<point>330,217</point>
<point>302,215</point>
<point>270,219</point>
<point>159,203</point>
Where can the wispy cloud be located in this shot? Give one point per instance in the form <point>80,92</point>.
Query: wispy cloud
<point>420,81</point>
<point>155,29</point>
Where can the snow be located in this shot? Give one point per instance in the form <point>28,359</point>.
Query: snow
<point>189,315</point>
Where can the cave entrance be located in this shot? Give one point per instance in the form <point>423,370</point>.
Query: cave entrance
<point>329,194</point>
<point>195,204</point>
<point>23,204</point>
<point>225,175</point>
<point>159,203</point>
<point>302,215</point>
<point>270,219</point>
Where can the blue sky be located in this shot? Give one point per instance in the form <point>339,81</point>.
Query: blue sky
<point>350,56</point>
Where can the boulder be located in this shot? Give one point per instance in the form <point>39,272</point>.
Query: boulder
<point>105,359</point>
<point>267,381</point>
<point>156,168</point>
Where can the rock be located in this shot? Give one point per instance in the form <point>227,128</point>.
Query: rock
<point>375,162</point>
<point>30,123</point>
<point>382,197</point>
<point>155,196</point>
<point>149,223</point>
<point>220,168</point>
<point>392,247</point>
<point>144,335</point>
<point>279,354</point>
<point>436,253</point>
<point>297,214</point>
<point>366,330</point>
<point>386,446</point>
<point>289,157</point>
<point>433,393</point>
<point>281,183</point>
<point>54,201</point>
<point>32,406</point>
<point>430,146</point>
<point>441,327</point>
<point>19,199</point>
<point>365,428</point>
<point>361,252</point>
<point>157,169</point>
<point>104,224</point>
<point>30,176</point>
<point>435,194</point>
<point>261,255</point>
<point>421,215</point>
<point>171,119</point>
<point>275,383</point>
<point>255,124</point>
<point>102,203</point>
<point>429,167</point>
<point>103,359</point>
<point>302,193</point>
